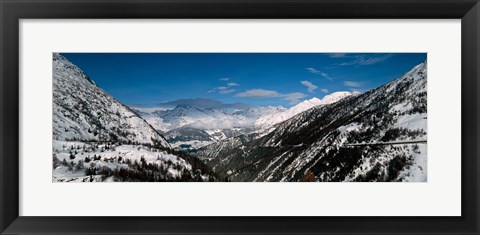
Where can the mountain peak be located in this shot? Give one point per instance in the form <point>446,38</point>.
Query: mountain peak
<point>306,104</point>
<point>62,65</point>
<point>272,119</point>
<point>335,96</point>
<point>313,100</point>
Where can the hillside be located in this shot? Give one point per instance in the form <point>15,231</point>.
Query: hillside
<point>97,138</point>
<point>315,145</point>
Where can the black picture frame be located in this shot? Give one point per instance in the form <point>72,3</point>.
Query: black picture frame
<point>12,11</point>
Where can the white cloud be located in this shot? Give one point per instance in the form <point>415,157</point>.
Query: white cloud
<point>313,70</point>
<point>224,89</point>
<point>224,79</point>
<point>316,71</point>
<point>217,89</point>
<point>259,93</point>
<point>309,85</point>
<point>356,90</point>
<point>215,123</point>
<point>293,98</point>
<point>223,92</point>
<point>366,59</point>
<point>353,84</point>
<point>324,90</point>
<point>374,60</point>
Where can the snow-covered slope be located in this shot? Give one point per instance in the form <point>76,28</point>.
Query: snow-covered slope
<point>319,143</point>
<point>75,161</point>
<point>97,138</point>
<point>272,119</point>
<point>82,111</point>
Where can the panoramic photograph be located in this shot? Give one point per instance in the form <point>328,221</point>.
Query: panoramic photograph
<point>239,117</point>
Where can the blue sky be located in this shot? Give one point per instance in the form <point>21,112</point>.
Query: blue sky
<point>252,78</point>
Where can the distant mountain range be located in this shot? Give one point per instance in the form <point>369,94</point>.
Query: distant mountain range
<point>192,123</point>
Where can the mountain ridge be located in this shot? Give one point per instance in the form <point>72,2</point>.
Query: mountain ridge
<point>270,120</point>
<point>96,138</point>
<point>310,145</point>
<point>83,111</point>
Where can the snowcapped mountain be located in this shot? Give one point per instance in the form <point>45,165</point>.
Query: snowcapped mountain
<point>218,120</point>
<point>82,111</point>
<point>336,96</point>
<point>205,118</point>
<point>96,138</point>
<point>379,135</point>
<point>272,119</point>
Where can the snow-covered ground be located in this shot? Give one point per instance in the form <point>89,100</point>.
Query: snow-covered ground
<point>417,121</point>
<point>418,171</point>
<point>111,156</point>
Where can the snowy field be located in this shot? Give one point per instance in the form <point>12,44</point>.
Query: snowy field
<point>75,157</point>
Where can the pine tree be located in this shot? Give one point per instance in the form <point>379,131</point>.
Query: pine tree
<point>308,177</point>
